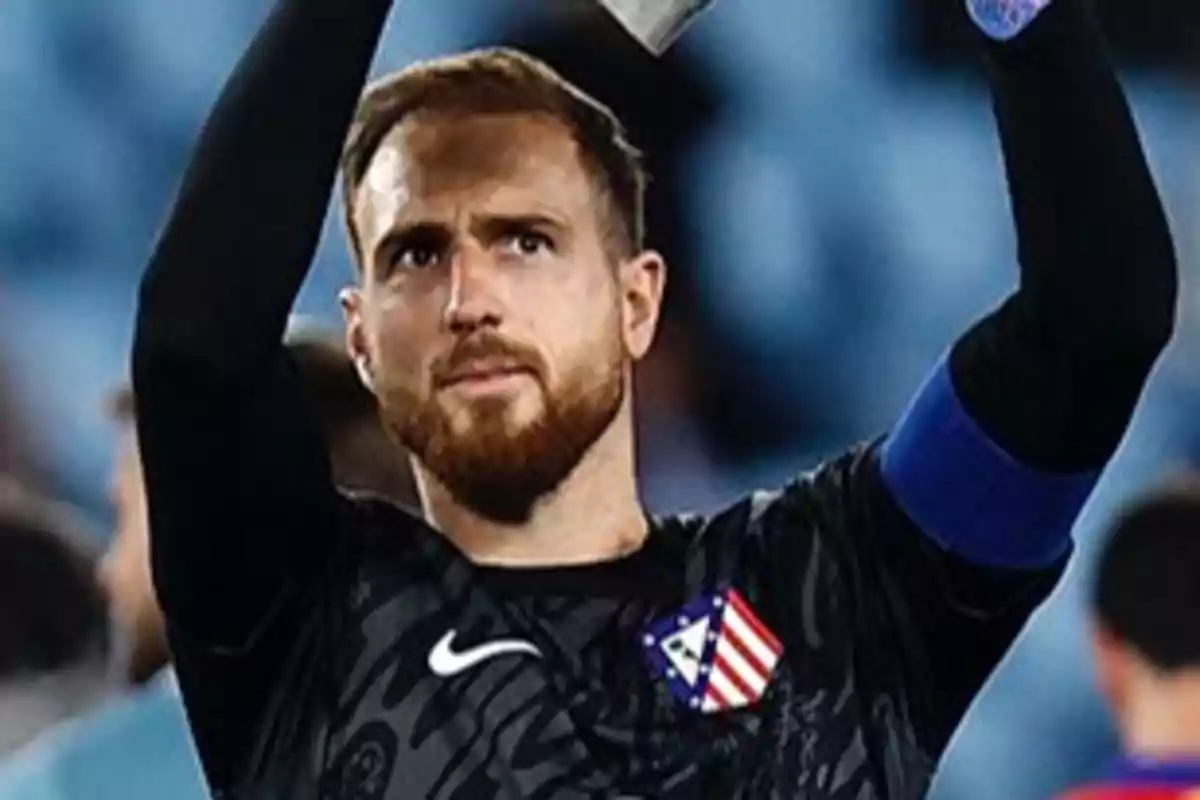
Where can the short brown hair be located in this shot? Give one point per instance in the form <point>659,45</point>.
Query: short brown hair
<point>503,81</point>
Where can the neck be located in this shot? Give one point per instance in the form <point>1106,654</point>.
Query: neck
<point>143,673</point>
<point>594,516</point>
<point>1165,722</point>
<point>148,655</point>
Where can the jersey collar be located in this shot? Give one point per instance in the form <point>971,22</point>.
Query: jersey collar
<point>1173,772</point>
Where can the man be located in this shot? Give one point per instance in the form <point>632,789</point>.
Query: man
<point>53,629</point>
<point>536,635</point>
<point>140,748</point>
<point>1146,642</point>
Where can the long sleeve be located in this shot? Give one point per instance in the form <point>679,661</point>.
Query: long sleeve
<point>1054,375</point>
<point>1003,444</point>
<point>241,504</point>
<point>244,519</point>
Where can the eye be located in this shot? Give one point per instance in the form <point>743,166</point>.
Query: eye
<point>528,243</point>
<point>415,257</point>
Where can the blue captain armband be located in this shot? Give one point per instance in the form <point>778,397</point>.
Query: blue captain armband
<point>967,494</point>
<point>1004,19</point>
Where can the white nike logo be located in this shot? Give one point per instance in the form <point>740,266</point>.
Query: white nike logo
<point>445,662</point>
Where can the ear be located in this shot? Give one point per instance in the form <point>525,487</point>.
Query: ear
<point>643,279</point>
<point>351,300</point>
<point>1114,663</point>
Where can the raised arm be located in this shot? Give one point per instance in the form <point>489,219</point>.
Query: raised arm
<point>1002,445</point>
<point>242,507</point>
<point>1000,449</point>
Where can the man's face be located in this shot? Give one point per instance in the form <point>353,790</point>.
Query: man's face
<point>492,322</point>
<point>125,569</point>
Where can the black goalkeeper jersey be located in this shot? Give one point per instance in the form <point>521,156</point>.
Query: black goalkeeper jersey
<point>835,645</point>
<point>820,641</point>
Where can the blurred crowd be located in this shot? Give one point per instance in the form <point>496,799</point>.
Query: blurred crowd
<point>839,153</point>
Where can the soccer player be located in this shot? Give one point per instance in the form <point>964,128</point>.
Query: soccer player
<point>1146,644</point>
<point>535,634</point>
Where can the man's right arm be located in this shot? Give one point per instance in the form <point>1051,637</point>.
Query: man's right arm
<point>242,508</point>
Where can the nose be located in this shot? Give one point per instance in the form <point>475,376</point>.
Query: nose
<point>472,302</point>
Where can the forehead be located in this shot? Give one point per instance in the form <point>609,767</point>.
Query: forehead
<point>431,165</point>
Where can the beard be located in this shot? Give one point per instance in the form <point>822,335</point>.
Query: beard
<point>497,468</point>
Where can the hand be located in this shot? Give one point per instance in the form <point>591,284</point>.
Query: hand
<point>655,23</point>
<point>1004,19</point>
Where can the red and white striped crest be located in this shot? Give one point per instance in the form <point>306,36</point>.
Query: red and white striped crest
<point>715,653</point>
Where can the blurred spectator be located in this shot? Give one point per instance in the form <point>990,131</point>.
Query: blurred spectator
<point>1146,644</point>
<point>53,625</point>
<point>15,457</point>
<point>12,450</point>
<point>140,749</point>
<point>677,468</point>
<point>363,456</point>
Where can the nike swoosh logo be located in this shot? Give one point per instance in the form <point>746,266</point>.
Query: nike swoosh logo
<point>444,661</point>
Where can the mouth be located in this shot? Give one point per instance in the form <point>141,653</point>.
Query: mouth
<point>483,378</point>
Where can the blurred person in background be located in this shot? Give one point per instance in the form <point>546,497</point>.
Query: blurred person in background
<point>363,457</point>
<point>16,455</point>
<point>54,639</point>
<point>1146,646</point>
<point>537,634</point>
<point>13,456</point>
<point>139,749</point>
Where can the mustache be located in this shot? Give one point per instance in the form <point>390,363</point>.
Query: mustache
<point>490,348</point>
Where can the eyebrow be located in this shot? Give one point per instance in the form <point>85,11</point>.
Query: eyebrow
<point>427,232</point>
<point>493,224</point>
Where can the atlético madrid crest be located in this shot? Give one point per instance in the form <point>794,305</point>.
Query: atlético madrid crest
<point>715,653</point>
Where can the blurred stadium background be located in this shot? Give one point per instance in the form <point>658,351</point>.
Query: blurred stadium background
<point>828,190</point>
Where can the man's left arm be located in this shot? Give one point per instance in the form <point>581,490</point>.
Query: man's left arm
<point>1003,444</point>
